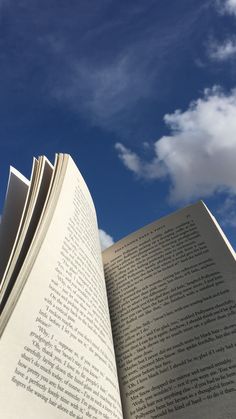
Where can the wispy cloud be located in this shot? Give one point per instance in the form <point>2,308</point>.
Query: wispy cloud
<point>106,61</point>
<point>110,88</point>
<point>199,155</point>
<point>222,51</point>
<point>105,239</point>
<point>105,91</point>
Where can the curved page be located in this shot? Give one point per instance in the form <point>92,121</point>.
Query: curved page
<point>57,357</point>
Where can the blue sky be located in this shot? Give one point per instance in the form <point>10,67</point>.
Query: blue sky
<point>142,94</point>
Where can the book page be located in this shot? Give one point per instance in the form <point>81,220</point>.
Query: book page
<point>172,297</point>
<point>13,207</point>
<point>57,355</point>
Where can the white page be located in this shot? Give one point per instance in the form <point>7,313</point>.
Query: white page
<point>57,351</point>
<point>172,299</point>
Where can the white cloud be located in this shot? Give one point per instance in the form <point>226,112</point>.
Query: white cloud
<point>221,51</point>
<point>228,6</point>
<point>199,155</point>
<point>105,239</point>
<point>154,169</point>
<point>224,51</point>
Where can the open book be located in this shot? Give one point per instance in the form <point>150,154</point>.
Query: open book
<point>145,330</point>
